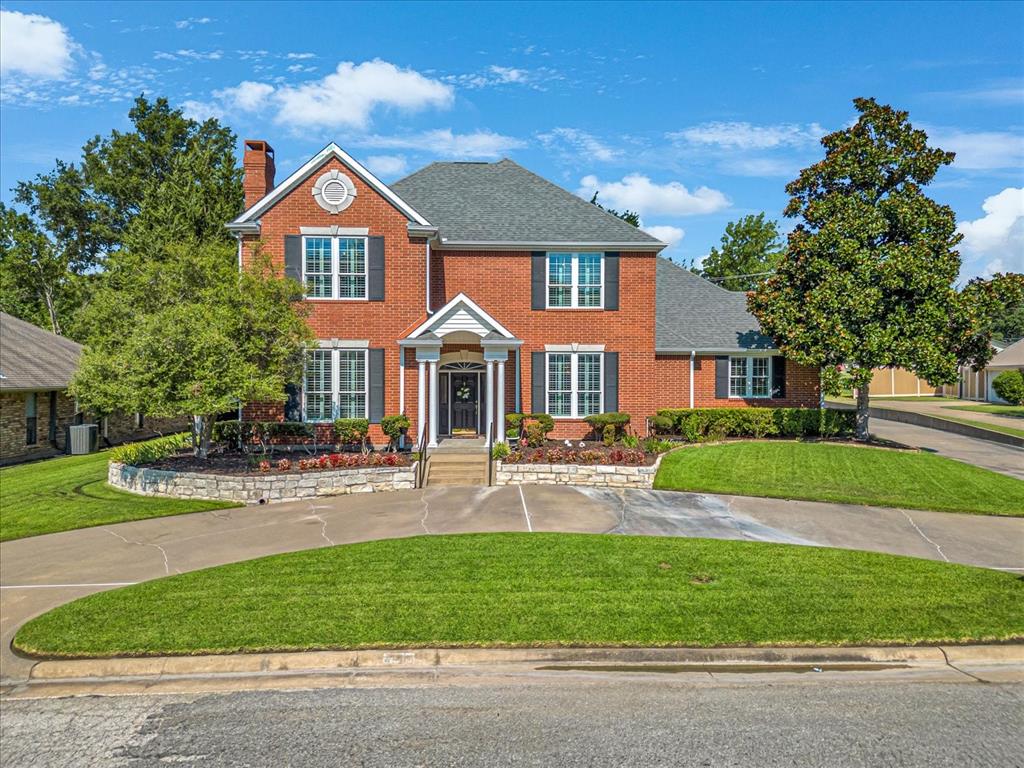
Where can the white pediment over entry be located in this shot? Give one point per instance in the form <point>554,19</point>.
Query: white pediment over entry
<point>461,314</point>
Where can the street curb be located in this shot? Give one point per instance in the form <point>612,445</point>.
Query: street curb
<point>326,661</point>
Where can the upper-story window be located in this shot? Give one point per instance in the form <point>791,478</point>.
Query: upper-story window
<point>576,280</point>
<point>334,267</point>
<point>750,377</point>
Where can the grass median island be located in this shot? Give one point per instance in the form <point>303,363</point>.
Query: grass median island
<point>530,589</point>
<point>841,473</point>
<point>71,492</point>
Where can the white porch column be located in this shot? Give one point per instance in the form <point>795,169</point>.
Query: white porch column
<point>433,404</point>
<point>421,408</point>
<point>488,398</point>
<point>499,396</point>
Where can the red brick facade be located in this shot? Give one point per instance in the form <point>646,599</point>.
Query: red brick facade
<point>499,283</point>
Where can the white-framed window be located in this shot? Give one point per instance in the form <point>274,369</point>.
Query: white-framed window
<point>575,280</point>
<point>575,384</point>
<point>334,267</point>
<point>750,376</point>
<point>335,385</point>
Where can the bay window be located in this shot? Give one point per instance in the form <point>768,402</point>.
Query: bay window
<point>335,385</point>
<point>750,377</point>
<point>574,384</point>
<point>334,267</point>
<point>575,280</point>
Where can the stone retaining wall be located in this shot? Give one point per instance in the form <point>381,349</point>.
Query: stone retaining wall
<point>252,489</point>
<point>598,475</point>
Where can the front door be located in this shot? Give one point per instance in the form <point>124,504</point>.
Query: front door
<point>465,400</point>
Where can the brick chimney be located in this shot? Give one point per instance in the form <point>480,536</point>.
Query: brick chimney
<point>258,168</point>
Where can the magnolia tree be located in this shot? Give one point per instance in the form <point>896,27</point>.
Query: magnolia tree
<point>214,340</point>
<point>867,278</point>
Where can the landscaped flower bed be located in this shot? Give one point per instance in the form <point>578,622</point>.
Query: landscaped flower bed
<point>581,453</point>
<point>240,463</point>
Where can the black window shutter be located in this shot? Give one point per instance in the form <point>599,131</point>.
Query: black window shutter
<point>375,268</point>
<point>611,382</point>
<point>722,376</point>
<point>538,381</point>
<point>778,376</point>
<point>293,257</point>
<point>611,280</point>
<point>376,374</point>
<point>538,280</point>
<point>293,405</point>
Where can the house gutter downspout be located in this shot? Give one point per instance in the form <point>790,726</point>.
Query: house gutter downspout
<point>693,357</point>
<point>428,276</point>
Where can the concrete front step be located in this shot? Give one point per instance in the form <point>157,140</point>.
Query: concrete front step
<point>457,469</point>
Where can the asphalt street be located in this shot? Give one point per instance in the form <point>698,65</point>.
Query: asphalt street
<point>579,721</point>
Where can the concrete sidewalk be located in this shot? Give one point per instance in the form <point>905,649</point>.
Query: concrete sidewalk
<point>40,573</point>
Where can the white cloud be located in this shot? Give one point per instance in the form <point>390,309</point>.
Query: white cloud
<point>301,56</point>
<point>34,45</point>
<point>998,235</point>
<point>188,53</point>
<point>667,234</point>
<point>191,22</point>
<point>387,165</point>
<point>509,74</point>
<point>637,192</point>
<point>203,110</point>
<point>759,167</point>
<point>443,143</point>
<point>580,142</point>
<point>246,96</point>
<point>496,75</point>
<point>349,95</point>
<point>746,136</point>
<point>986,150</point>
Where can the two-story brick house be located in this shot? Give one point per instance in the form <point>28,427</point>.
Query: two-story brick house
<point>470,290</point>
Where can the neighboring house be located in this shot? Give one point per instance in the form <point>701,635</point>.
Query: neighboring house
<point>36,367</point>
<point>977,385</point>
<point>899,382</point>
<point>469,290</point>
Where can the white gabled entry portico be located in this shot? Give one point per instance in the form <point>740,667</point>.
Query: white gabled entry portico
<point>461,322</point>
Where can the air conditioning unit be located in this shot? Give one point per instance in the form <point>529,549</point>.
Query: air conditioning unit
<point>83,438</point>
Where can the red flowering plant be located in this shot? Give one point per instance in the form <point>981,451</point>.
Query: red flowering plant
<point>283,465</point>
<point>264,466</point>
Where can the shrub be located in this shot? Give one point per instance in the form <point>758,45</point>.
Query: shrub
<point>535,434</point>
<point>617,420</point>
<point>500,450</point>
<point>657,445</point>
<point>700,424</point>
<point>630,441</point>
<point>264,466</point>
<point>608,435</point>
<point>662,424</point>
<point>352,432</point>
<point>283,465</point>
<point>393,426</point>
<point>151,450</point>
<point>1009,385</point>
<point>262,433</point>
<point>514,423</point>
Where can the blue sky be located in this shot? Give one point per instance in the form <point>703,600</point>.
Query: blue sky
<point>692,114</point>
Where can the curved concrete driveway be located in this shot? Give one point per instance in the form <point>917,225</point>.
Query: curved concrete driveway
<point>37,574</point>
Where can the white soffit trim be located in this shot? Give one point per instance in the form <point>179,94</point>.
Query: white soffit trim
<point>524,245</point>
<point>335,230</point>
<point>460,302</point>
<point>331,150</point>
<point>574,347</point>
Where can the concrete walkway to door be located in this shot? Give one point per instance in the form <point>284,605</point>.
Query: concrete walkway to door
<point>40,573</point>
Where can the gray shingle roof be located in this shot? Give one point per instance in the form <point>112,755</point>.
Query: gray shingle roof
<point>1013,356</point>
<point>31,358</point>
<point>504,202</point>
<point>694,314</point>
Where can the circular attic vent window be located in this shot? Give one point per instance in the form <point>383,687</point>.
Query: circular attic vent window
<point>334,191</point>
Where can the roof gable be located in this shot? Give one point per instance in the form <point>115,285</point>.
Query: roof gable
<point>504,203</point>
<point>316,162</point>
<point>460,314</point>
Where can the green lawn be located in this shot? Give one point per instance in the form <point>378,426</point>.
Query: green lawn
<point>72,492</point>
<point>1010,411</point>
<point>529,589</point>
<point>841,473</point>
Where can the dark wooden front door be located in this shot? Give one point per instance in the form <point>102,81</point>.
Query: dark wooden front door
<point>465,400</point>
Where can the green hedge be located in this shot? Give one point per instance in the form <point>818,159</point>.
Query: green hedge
<point>699,424</point>
<point>151,450</point>
<point>248,432</point>
<point>513,421</point>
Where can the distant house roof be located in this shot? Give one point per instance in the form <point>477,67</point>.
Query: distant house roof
<point>693,314</point>
<point>31,358</point>
<point>1011,357</point>
<point>502,204</point>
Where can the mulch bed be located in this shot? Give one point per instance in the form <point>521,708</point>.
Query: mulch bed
<point>582,452</point>
<point>242,464</point>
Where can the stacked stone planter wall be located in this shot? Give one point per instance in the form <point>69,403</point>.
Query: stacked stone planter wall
<point>597,475</point>
<point>252,489</point>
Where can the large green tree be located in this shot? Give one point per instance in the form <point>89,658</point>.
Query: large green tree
<point>193,336</point>
<point>867,278</point>
<point>750,249</point>
<point>87,210</point>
